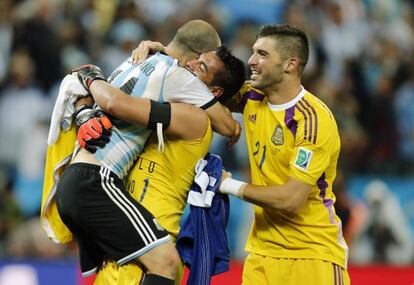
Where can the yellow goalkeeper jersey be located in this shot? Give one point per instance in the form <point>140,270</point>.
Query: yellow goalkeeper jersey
<point>161,181</point>
<point>298,139</point>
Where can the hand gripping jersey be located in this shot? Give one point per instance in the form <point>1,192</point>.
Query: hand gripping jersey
<point>202,241</point>
<point>298,139</point>
<point>161,79</point>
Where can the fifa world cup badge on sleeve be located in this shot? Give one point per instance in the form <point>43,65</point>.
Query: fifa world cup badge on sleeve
<point>303,158</point>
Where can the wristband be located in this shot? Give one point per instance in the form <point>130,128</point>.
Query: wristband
<point>79,110</point>
<point>232,186</point>
<point>83,115</point>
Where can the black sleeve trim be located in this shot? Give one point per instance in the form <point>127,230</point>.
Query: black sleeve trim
<point>209,104</point>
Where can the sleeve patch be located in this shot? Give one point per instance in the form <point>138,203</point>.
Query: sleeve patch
<point>303,158</point>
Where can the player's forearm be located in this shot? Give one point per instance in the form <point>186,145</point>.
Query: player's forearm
<point>120,105</point>
<point>222,120</point>
<point>289,197</point>
<point>271,197</point>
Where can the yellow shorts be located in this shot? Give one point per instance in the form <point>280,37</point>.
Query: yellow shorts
<point>127,274</point>
<point>263,270</point>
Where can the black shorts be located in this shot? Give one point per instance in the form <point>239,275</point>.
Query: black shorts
<point>105,220</point>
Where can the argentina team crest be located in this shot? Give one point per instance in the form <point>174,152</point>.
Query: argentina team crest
<point>277,137</point>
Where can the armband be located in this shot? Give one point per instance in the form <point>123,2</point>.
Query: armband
<point>160,114</point>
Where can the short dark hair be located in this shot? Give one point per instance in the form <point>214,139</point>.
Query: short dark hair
<point>293,41</point>
<point>232,77</point>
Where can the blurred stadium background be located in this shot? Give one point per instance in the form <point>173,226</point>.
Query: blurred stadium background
<point>361,65</point>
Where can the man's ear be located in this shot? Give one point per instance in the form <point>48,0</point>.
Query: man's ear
<point>292,64</point>
<point>216,91</point>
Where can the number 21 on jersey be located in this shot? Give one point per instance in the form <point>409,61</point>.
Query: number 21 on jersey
<point>260,152</point>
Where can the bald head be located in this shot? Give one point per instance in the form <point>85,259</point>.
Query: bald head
<point>193,38</point>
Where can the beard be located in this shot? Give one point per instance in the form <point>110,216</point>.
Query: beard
<point>268,80</point>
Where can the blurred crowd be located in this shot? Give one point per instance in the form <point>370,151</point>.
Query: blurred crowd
<point>361,65</point>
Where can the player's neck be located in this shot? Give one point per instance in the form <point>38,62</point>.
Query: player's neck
<point>175,52</point>
<point>283,92</point>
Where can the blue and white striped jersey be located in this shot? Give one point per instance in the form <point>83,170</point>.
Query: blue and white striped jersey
<point>159,78</point>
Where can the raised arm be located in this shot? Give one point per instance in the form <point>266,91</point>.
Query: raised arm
<point>140,54</point>
<point>223,123</point>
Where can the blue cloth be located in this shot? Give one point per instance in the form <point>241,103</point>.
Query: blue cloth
<point>202,241</point>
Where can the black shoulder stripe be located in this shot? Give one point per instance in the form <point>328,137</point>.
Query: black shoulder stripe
<point>209,104</point>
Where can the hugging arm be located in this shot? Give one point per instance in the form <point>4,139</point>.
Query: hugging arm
<point>223,123</point>
<point>138,110</point>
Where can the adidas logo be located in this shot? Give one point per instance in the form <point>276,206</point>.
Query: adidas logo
<point>252,118</point>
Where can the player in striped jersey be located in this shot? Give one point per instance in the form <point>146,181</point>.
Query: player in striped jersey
<point>91,197</point>
<point>293,146</point>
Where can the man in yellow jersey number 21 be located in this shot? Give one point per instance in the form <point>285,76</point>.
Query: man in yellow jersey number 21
<point>293,147</point>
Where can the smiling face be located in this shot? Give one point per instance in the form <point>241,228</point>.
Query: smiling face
<point>266,64</point>
<point>206,66</point>
<point>220,71</point>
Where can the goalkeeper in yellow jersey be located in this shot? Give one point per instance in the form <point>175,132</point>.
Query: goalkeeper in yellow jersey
<point>293,147</point>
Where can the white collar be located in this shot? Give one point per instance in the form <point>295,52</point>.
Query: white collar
<point>290,103</point>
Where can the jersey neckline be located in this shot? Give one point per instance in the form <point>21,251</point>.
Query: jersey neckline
<point>279,107</point>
